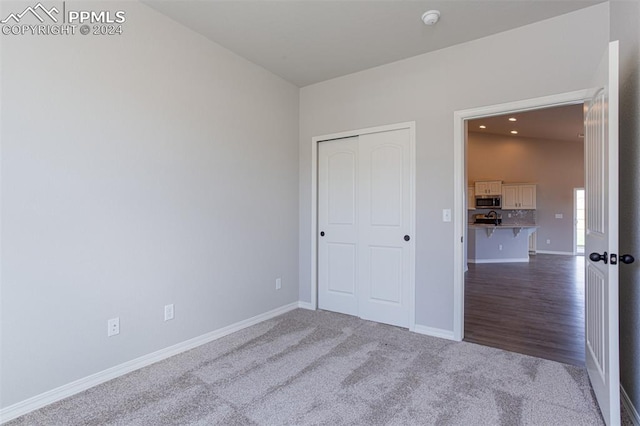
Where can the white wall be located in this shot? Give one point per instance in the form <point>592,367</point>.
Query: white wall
<point>137,170</point>
<point>556,167</point>
<point>549,57</point>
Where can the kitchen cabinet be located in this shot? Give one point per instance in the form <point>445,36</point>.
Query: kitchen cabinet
<point>519,197</point>
<point>492,187</point>
<point>471,198</point>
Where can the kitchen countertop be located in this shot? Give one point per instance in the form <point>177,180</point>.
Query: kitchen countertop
<point>502,225</point>
<point>490,229</point>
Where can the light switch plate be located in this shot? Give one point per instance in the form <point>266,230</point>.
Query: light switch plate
<point>559,215</point>
<point>446,215</point>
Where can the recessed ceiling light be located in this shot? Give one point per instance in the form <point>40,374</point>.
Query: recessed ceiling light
<point>482,126</point>
<point>512,119</point>
<point>514,132</point>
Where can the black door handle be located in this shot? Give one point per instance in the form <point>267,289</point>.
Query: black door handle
<point>407,238</point>
<point>597,257</point>
<point>322,233</point>
<point>626,258</point>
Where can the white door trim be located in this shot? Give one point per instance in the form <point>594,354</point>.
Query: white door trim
<point>460,181</point>
<point>412,192</point>
<point>575,219</point>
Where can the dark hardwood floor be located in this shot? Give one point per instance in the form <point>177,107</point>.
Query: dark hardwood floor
<point>534,308</point>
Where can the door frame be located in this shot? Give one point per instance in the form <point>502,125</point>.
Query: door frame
<point>460,119</point>
<point>411,126</point>
<point>575,219</point>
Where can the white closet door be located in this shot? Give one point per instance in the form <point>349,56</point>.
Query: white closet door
<point>338,225</point>
<point>384,226</point>
<point>364,226</point>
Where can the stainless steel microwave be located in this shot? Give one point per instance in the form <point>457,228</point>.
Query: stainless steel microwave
<point>488,202</point>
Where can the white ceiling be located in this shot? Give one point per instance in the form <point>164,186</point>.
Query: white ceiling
<point>563,123</point>
<point>308,41</point>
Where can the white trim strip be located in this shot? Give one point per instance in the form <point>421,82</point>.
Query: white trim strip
<point>516,260</point>
<point>306,305</point>
<point>561,253</point>
<point>435,332</point>
<point>628,405</point>
<point>23,407</point>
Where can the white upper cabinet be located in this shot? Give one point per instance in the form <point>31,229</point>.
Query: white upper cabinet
<point>471,198</point>
<point>519,197</point>
<point>510,196</point>
<point>493,187</point>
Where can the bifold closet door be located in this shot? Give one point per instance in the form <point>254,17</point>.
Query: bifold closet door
<point>363,226</point>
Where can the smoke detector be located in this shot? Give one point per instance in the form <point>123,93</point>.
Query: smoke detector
<point>431,17</point>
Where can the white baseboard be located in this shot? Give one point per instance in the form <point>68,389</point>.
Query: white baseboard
<point>306,305</point>
<point>561,253</point>
<point>434,332</point>
<point>628,405</point>
<point>65,391</point>
<point>516,260</point>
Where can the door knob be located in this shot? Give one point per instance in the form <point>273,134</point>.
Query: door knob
<point>597,257</point>
<point>407,238</point>
<point>626,258</point>
<point>322,233</point>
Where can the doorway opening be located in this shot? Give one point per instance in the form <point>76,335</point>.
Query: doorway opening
<point>518,280</point>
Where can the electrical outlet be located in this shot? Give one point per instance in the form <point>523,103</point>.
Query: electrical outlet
<point>168,312</point>
<point>559,216</point>
<point>500,247</point>
<point>548,241</point>
<point>113,327</point>
<point>278,283</point>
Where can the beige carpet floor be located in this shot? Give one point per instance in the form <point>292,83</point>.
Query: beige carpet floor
<point>321,368</point>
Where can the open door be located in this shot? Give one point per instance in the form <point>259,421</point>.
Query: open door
<point>601,277</point>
